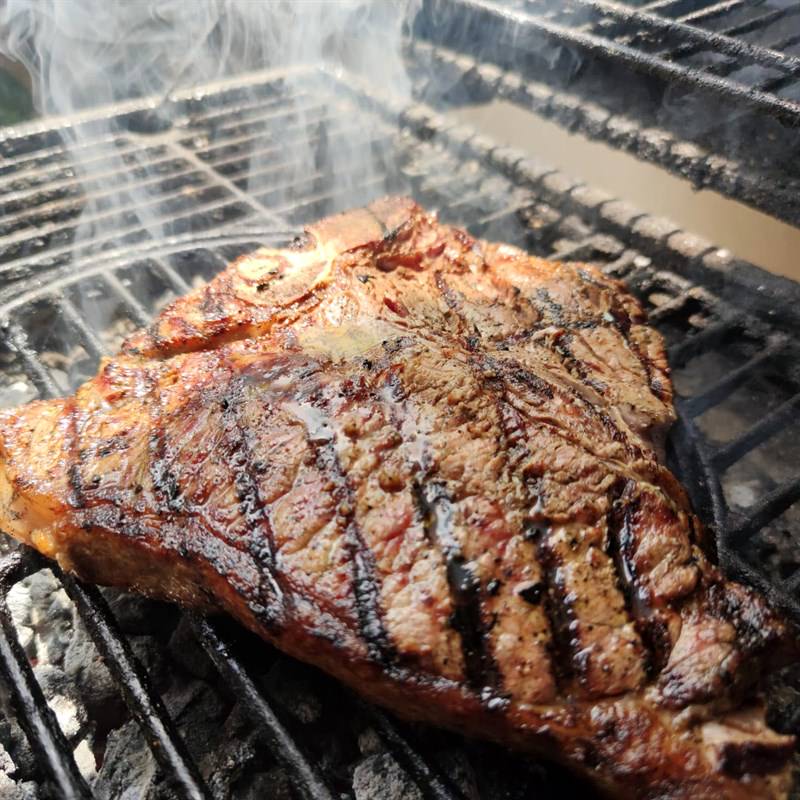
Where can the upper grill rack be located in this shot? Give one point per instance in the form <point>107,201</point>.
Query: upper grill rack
<point>709,90</point>
<point>70,302</point>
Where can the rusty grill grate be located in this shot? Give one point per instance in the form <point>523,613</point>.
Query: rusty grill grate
<point>709,90</point>
<point>727,324</point>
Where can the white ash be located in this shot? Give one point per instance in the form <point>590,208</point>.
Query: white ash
<point>111,750</point>
<point>380,776</point>
<point>11,789</point>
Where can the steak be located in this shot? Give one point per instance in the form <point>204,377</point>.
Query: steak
<point>433,467</point>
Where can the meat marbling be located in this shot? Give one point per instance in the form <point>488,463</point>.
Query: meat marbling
<point>432,467</point>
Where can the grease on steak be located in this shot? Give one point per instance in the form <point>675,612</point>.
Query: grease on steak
<point>432,467</point>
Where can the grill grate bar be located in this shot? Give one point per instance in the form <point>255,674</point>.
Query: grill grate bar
<point>696,405</point>
<point>335,128</point>
<point>713,11</point>
<point>705,38</point>
<point>125,230</point>
<point>76,184</point>
<point>144,703</point>
<point>19,163</point>
<point>255,108</point>
<point>681,353</point>
<point>34,369</point>
<point>429,781</point>
<point>760,432</point>
<point>215,177</point>
<point>89,339</point>
<point>133,204</point>
<point>27,220</point>
<point>281,743</point>
<point>242,127</point>
<point>739,30</point>
<point>135,309</point>
<point>36,717</point>
<point>769,507</point>
<point>180,286</point>
<point>785,110</point>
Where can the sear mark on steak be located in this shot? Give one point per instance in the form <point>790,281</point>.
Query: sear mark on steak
<point>431,466</point>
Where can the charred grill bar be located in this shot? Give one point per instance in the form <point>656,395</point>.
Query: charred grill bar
<point>218,182</point>
<point>708,90</point>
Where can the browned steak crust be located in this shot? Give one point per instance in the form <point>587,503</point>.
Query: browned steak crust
<point>432,467</point>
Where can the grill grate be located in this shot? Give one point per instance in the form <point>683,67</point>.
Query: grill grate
<point>66,301</point>
<point>709,90</point>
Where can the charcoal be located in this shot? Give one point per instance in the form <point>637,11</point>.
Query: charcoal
<point>85,758</point>
<point>199,714</point>
<point>12,790</point>
<point>15,743</point>
<point>129,769</point>
<point>50,616</point>
<point>85,668</point>
<point>138,615</point>
<point>380,776</point>
<point>290,687</point>
<point>18,601</point>
<point>274,784</point>
<point>455,765</point>
<point>369,742</point>
<point>186,651</point>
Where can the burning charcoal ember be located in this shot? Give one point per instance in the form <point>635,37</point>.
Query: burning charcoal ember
<point>59,692</point>
<point>380,776</point>
<point>19,604</point>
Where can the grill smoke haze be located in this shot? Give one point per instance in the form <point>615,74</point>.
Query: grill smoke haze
<point>88,53</point>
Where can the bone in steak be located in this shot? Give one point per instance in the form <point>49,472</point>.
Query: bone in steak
<point>432,467</point>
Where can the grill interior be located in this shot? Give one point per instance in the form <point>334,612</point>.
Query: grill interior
<point>709,90</point>
<point>69,296</point>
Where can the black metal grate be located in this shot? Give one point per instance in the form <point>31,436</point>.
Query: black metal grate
<point>66,302</point>
<point>709,90</point>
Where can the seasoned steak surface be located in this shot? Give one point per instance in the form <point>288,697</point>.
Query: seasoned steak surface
<point>432,467</point>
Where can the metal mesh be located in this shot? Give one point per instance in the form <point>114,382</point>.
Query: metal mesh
<point>66,302</point>
<point>709,90</point>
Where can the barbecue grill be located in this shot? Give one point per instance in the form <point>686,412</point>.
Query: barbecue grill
<point>67,297</point>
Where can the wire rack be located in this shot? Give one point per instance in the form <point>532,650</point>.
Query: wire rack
<point>709,90</point>
<point>729,339</point>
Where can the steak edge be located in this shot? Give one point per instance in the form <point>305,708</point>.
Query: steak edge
<point>431,466</point>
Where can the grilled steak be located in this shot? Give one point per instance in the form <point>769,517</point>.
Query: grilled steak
<point>432,467</point>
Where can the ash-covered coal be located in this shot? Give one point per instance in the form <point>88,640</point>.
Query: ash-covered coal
<point>109,747</point>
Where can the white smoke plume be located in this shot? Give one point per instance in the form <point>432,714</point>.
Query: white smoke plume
<point>84,54</point>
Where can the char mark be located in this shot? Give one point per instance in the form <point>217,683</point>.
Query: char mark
<point>520,375</point>
<point>366,587</point>
<point>620,545</point>
<point>436,509</point>
<point>555,310</point>
<point>251,505</point>
<point>165,482</point>
<point>76,457</point>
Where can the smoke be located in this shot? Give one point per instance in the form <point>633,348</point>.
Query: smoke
<point>84,54</point>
